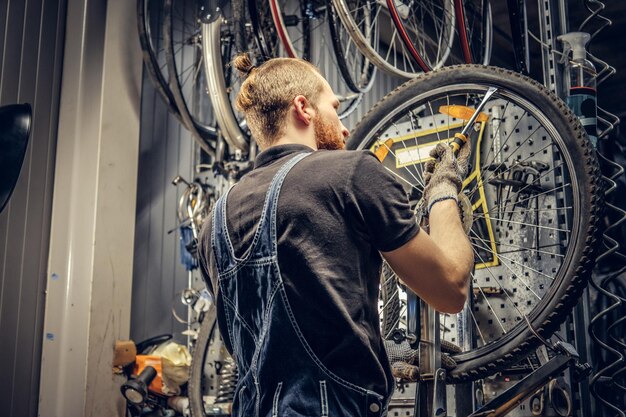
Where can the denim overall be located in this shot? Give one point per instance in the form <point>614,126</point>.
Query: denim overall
<point>279,374</point>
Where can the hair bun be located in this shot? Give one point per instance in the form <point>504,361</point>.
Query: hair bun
<point>243,64</point>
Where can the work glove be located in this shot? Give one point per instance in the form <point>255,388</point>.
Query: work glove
<point>403,360</point>
<point>444,174</point>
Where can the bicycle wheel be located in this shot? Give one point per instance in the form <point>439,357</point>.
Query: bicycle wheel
<point>222,40</point>
<point>286,29</point>
<point>357,71</point>
<point>265,34</point>
<point>206,386</point>
<point>534,184</point>
<point>392,308</point>
<point>283,28</point>
<point>293,25</point>
<point>474,24</point>
<point>183,46</point>
<point>427,30</point>
<point>370,25</point>
<point>150,12</point>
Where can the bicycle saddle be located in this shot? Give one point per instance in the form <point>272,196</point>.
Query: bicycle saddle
<point>15,122</point>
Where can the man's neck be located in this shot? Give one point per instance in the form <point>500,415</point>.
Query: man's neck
<point>286,140</point>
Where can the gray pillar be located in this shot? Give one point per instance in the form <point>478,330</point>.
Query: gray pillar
<point>93,212</point>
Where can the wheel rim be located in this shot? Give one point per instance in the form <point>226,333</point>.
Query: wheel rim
<point>426,28</point>
<point>474,23</point>
<point>223,83</point>
<point>279,23</point>
<point>152,44</point>
<point>186,79</point>
<point>365,20</point>
<point>293,27</point>
<point>356,69</point>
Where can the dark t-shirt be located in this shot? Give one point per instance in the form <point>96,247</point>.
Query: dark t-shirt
<point>336,211</point>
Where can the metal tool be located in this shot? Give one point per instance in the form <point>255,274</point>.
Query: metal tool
<point>461,138</point>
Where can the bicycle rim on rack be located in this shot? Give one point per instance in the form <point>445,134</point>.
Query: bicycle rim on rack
<point>474,24</point>
<point>220,45</point>
<point>293,25</point>
<point>183,51</point>
<point>356,69</point>
<point>209,356</point>
<point>535,188</point>
<point>299,30</point>
<point>370,25</point>
<point>427,30</point>
<point>149,17</point>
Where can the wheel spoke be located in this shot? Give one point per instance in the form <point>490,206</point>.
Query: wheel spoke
<point>486,247</point>
<point>407,170</point>
<point>504,291</point>
<point>490,306</point>
<point>482,216</point>
<point>535,195</point>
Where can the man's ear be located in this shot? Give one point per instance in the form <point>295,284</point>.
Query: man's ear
<point>303,110</point>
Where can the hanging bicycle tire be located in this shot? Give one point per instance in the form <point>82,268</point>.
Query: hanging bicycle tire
<point>222,40</point>
<point>183,44</point>
<point>264,31</point>
<point>292,21</point>
<point>208,387</point>
<point>356,69</point>
<point>475,27</point>
<point>427,30</point>
<point>535,189</point>
<point>367,22</point>
<point>287,29</point>
<point>153,50</point>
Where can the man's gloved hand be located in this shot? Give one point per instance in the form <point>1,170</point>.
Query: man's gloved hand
<point>402,359</point>
<point>444,174</point>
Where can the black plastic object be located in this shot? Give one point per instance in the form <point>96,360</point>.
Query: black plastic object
<point>136,390</point>
<point>153,341</point>
<point>15,122</point>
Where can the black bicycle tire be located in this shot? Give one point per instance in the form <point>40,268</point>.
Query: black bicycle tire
<point>239,15</point>
<point>150,60</point>
<point>548,314</point>
<point>194,388</point>
<point>203,134</point>
<point>306,30</point>
<point>259,35</point>
<point>390,299</point>
<point>333,22</point>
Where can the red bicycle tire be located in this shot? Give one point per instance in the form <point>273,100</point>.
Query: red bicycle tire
<point>393,11</point>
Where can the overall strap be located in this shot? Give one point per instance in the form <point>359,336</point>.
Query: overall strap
<point>264,242</point>
<point>220,240</point>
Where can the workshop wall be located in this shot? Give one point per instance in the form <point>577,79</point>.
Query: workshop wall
<point>31,53</point>
<point>167,150</point>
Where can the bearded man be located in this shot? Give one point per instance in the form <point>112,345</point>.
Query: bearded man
<point>293,253</point>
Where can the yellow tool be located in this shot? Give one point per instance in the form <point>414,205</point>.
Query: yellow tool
<point>463,112</point>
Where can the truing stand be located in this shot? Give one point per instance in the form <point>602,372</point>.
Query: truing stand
<point>509,399</point>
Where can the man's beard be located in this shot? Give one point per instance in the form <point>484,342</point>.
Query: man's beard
<point>326,135</point>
